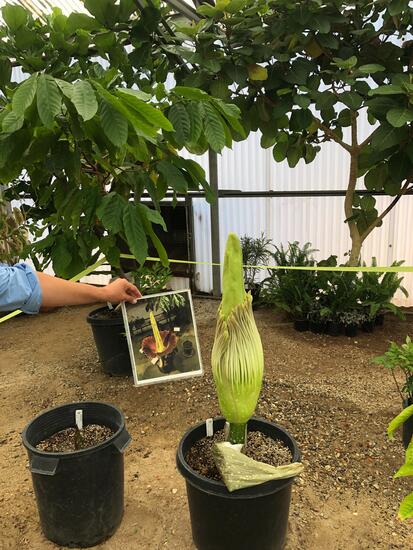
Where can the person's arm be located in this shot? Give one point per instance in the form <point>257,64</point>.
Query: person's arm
<point>19,288</point>
<point>58,292</point>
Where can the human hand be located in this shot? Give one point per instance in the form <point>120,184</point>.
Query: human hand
<point>121,290</point>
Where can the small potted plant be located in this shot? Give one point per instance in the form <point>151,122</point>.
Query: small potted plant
<point>255,251</point>
<point>352,320</point>
<point>256,515</point>
<point>76,460</point>
<point>399,359</point>
<point>107,324</point>
<point>406,506</point>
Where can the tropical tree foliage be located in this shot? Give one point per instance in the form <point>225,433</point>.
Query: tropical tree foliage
<point>304,73</point>
<point>88,131</point>
<point>97,121</point>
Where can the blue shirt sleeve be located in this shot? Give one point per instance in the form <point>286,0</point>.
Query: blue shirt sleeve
<point>19,289</point>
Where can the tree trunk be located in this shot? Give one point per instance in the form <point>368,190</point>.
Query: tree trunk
<point>356,240</point>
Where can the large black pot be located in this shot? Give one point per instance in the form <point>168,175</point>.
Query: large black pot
<point>335,328</point>
<point>407,430</point>
<point>111,342</point>
<point>253,518</point>
<point>351,330</point>
<point>301,325</point>
<point>79,494</point>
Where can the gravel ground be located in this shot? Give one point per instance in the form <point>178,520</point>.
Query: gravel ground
<point>325,390</point>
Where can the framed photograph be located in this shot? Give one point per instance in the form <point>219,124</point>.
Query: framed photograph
<point>162,337</point>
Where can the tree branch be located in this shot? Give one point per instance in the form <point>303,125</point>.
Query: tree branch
<point>380,218</point>
<point>332,135</point>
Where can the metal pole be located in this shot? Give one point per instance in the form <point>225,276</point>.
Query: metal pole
<point>214,209</point>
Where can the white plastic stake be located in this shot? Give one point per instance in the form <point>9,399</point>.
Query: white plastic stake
<point>79,419</point>
<point>226,430</point>
<point>109,305</point>
<point>209,427</point>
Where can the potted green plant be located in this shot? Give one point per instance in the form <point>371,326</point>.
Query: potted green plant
<point>255,251</point>
<point>399,359</point>
<point>406,506</point>
<point>376,293</point>
<point>255,516</point>
<point>107,323</point>
<point>76,460</point>
<point>293,291</point>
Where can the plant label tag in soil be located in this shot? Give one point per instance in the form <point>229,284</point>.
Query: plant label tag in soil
<point>209,427</point>
<point>162,337</point>
<point>79,419</point>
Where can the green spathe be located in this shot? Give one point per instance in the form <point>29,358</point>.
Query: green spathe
<point>233,292</point>
<point>237,355</point>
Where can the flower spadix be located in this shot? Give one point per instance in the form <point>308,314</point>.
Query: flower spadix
<point>237,355</point>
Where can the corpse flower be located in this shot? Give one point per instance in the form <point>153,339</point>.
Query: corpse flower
<point>162,342</point>
<point>237,356</point>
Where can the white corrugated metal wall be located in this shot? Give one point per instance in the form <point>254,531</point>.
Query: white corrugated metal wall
<point>319,220</point>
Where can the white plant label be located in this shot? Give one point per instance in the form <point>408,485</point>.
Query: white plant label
<point>209,427</point>
<point>79,419</point>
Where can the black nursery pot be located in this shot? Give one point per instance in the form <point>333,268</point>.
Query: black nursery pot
<point>79,494</point>
<point>111,343</point>
<point>351,330</point>
<point>301,325</point>
<point>334,328</point>
<point>251,518</point>
<point>368,326</point>
<point>317,327</point>
<point>379,320</point>
<point>407,430</point>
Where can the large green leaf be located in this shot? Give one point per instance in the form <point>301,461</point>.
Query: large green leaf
<point>5,72</point>
<point>114,124</point>
<point>24,95</point>
<point>213,128</point>
<point>84,99</point>
<point>151,114</point>
<point>110,212</point>
<point>371,68</point>
<point>76,21</point>
<point>49,99</point>
<point>180,120</point>
<point>12,122</point>
<point>400,116</point>
<point>154,216</point>
<point>173,176</point>
<point>14,16</point>
<point>190,93</point>
<point>352,99</point>
<point>406,507</point>
<point>103,10</point>
<point>196,116</point>
<point>134,232</point>
<point>399,420</point>
<point>387,89</point>
<point>147,223</point>
<point>386,136</point>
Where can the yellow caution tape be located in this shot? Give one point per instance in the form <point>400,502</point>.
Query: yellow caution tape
<point>365,269</point>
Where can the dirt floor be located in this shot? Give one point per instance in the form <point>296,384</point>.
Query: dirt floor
<point>325,390</point>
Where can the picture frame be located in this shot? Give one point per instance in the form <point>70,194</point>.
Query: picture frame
<point>162,337</point>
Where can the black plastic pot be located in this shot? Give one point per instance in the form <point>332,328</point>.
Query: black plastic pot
<point>368,326</point>
<point>317,327</point>
<point>335,329</point>
<point>407,430</point>
<point>79,494</point>
<point>379,320</point>
<point>301,325</point>
<point>111,343</point>
<point>351,330</point>
<point>255,518</point>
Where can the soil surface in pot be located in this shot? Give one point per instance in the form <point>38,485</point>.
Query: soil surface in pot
<point>70,439</point>
<point>259,447</point>
<point>108,314</point>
